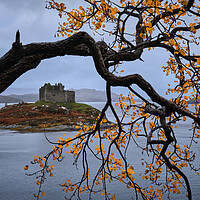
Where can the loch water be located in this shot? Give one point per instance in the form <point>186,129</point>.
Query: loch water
<point>18,149</point>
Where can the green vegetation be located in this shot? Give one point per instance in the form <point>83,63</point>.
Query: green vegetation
<point>79,107</point>
<point>41,114</point>
<point>75,107</point>
<point>40,103</point>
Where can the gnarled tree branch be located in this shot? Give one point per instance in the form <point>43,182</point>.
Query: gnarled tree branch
<point>23,58</point>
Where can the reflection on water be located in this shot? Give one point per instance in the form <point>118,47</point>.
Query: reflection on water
<point>17,149</point>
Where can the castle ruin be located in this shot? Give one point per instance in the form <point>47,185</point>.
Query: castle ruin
<point>56,93</point>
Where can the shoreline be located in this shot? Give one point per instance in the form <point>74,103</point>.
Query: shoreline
<point>51,117</point>
<point>32,129</point>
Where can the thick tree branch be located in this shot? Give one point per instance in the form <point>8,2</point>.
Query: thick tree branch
<point>23,58</point>
<point>132,79</point>
<point>23,65</point>
<point>14,59</point>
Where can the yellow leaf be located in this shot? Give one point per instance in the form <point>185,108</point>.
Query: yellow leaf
<point>150,10</point>
<point>26,167</point>
<point>38,182</point>
<point>198,61</point>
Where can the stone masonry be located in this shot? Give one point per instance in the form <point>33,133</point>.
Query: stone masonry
<point>56,93</point>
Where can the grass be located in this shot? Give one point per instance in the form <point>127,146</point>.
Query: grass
<point>76,107</point>
<point>40,103</point>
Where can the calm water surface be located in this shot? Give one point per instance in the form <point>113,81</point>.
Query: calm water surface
<point>17,149</point>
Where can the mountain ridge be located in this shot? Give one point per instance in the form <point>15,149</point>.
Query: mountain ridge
<point>8,99</point>
<point>82,95</point>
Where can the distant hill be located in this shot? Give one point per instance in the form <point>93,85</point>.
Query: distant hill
<point>192,101</point>
<point>91,95</point>
<point>20,91</point>
<point>8,99</point>
<point>82,95</point>
<point>26,97</point>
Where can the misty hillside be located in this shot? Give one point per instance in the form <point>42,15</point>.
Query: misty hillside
<point>91,95</point>
<point>8,99</point>
<point>193,101</point>
<point>26,97</point>
<point>82,95</point>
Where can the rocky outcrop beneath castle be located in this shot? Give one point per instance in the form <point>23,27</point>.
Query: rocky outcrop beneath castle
<point>48,116</point>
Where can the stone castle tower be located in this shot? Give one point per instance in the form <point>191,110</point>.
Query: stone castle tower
<point>56,93</point>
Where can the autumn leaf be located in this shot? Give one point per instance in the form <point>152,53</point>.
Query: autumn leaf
<point>26,167</point>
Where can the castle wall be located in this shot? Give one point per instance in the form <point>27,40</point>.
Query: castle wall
<point>42,93</point>
<point>55,96</point>
<point>69,96</point>
<point>56,93</point>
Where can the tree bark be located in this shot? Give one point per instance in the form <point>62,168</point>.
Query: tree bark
<point>21,58</point>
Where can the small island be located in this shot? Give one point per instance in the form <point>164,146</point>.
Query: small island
<point>55,111</point>
<point>40,116</point>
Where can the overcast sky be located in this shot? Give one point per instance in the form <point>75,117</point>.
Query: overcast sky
<point>37,24</point>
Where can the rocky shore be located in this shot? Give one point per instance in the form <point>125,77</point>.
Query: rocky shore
<point>49,129</point>
<point>45,116</point>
